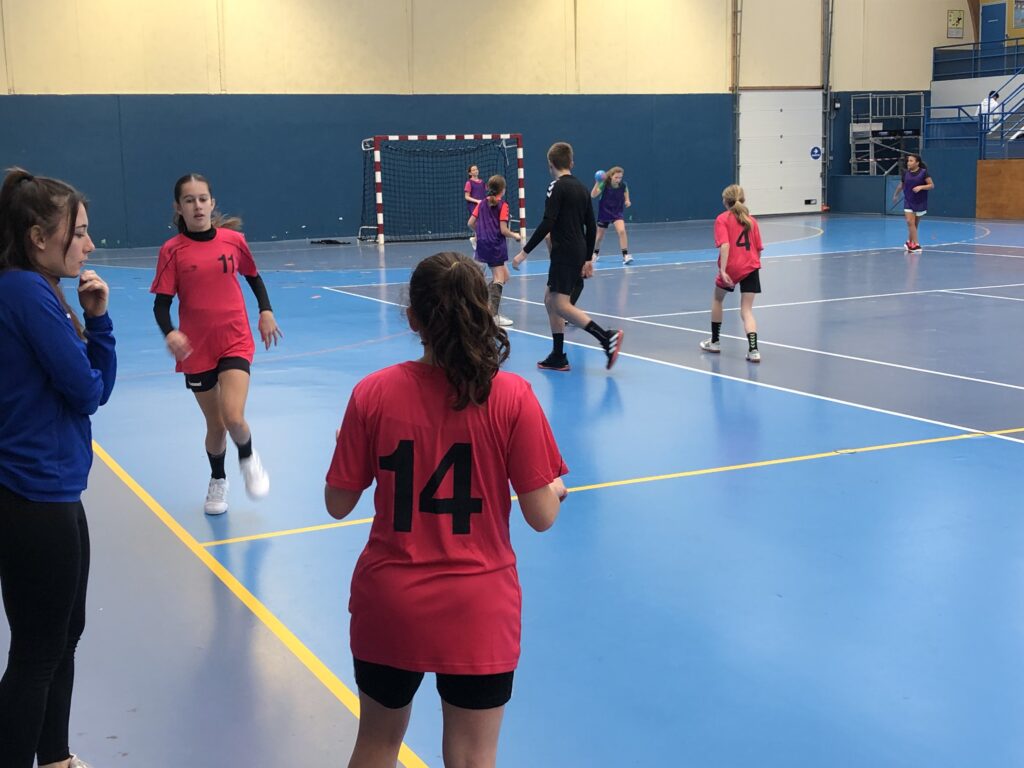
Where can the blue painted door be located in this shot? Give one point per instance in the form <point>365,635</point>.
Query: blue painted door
<point>993,32</point>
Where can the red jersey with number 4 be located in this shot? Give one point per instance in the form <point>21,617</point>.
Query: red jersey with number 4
<point>211,311</point>
<point>436,587</point>
<point>744,247</point>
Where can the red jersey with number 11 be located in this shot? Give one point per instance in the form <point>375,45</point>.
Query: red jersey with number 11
<point>436,588</point>
<point>744,246</point>
<point>211,312</point>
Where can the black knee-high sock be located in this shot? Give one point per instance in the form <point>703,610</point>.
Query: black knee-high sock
<point>577,289</point>
<point>495,289</point>
<point>245,449</point>
<point>597,332</point>
<point>625,252</point>
<point>558,339</point>
<point>217,465</point>
<point>716,329</point>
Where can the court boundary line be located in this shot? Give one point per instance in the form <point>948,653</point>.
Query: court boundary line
<point>984,295</point>
<point>825,301</point>
<point>657,478</point>
<point>278,628</point>
<point>718,374</point>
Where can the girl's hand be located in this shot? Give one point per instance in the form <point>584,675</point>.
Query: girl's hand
<point>628,203</point>
<point>517,237</point>
<point>559,489</point>
<point>588,270</point>
<point>518,259</point>
<point>179,345</point>
<point>918,188</point>
<point>725,278</point>
<point>93,293</point>
<point>269,331</point>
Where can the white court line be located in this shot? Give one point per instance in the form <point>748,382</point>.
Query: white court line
<point>717,375</point>
<point>985,295</point>
<point>838,298</point>
<point>978,253</point>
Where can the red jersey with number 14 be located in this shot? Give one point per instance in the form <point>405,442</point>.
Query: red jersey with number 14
<point>211,313</point>
<point>744,247</point>
<point>436,588</point>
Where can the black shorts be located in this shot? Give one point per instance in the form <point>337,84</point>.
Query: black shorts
<point>604,224</point>
<point>394,688</point>
<point>749,284</point>
<point>562,276</point>
<point>207,380</point>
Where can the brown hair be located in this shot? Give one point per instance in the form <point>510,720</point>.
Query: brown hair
<point>495,187</point>
<point>560,156</point>
<point>734,200</point>
<point>218,219</point>
<point>449,301</point>
<point>28,201</point>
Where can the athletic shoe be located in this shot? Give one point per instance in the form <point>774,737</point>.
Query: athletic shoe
<point>472,241</point>
<point>612,347</point>
<point>711,346</point>
<point>627,259</point>
<point>596,257</point>
<point>503,321</point>
<point>554,362</point>
<point>77,763</point>
<point>907,247</point>
<point>216,497</point>
<point>754,356</point>
<point>915,248</point>
<point>257,481</point>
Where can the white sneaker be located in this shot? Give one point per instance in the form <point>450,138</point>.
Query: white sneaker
<point>596,257</point>
<point>257,481</point>
<point>216,497</point>
<point>472,242</point>
<point>711,346</point>
<point>627,259</point>
<point>503,321</point>
<point>754,356</point>
<point>76,763</point>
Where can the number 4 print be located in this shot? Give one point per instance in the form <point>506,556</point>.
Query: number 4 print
<point>461,505</point>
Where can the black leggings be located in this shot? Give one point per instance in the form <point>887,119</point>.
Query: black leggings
<point>44,569</point>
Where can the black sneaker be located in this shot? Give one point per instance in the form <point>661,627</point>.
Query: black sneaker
<point>612,347</point>
<point>554,362</point>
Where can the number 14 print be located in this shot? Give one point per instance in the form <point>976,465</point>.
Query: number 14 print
<point>460,506</point>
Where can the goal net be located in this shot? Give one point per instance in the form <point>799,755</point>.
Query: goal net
<point>414,185</point>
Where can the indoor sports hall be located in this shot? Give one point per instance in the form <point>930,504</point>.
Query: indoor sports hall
<point>814,560</point>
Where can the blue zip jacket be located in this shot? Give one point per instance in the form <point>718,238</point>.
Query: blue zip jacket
<point>50,383</point>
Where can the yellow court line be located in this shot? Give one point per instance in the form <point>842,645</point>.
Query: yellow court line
<point>289,532</point>
<point>654,478</point>
<point>343,693</point>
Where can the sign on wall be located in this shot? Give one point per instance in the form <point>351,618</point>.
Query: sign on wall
<point>955,22</point>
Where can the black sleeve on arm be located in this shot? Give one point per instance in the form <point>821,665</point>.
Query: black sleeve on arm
<point>551,206</point>
<point>162,312</point>
<point>260,292</point>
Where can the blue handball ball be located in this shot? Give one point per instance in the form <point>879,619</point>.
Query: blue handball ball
<point>599,176</point>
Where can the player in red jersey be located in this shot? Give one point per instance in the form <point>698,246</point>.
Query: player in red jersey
<point>214,346</point>
<point>738,239</point>
<point>436,588</point>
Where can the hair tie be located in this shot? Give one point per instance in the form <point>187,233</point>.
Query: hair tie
<point>28,177</point>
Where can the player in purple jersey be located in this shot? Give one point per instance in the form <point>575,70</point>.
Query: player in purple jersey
<point>915,184</point>
<point>489,220</point>
<point>614,196</point>
<point>474,192</point>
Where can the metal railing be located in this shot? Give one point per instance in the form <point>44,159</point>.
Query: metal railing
<point>989,59</point>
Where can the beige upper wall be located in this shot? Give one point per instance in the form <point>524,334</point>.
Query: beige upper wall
<point>887,45</point>
<point>459,46</point>
<point>780,43</point>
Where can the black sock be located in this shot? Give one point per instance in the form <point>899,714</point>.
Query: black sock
<point>217,465</point>
<point>597,251</point>
<point>558,339</point>
<point>716,329</point>
<point>597,332</point>
<point>752,341</point>
<point>625,252</point>
<point>495,290</point>
<point>245,449</point>
<point>577,289</point>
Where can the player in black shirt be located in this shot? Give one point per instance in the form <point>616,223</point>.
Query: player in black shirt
<point>569,219</point>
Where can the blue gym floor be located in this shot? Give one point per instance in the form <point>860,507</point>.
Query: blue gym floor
<point>816,561</point>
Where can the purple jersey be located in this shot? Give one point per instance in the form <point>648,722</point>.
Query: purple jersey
<point>915,201</point>
<point>491,247</point>
<point>477,190</point>
<point>613,202</point>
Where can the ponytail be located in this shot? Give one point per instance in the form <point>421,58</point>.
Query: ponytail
<point>449,301</point>
<point>735,200</point>
<point>28,201</point>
